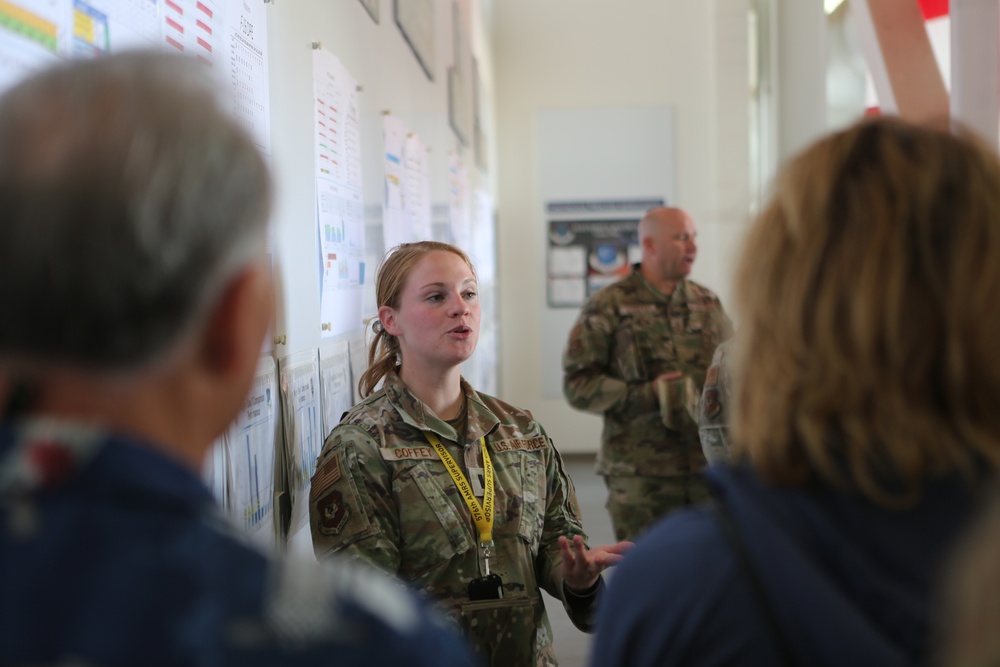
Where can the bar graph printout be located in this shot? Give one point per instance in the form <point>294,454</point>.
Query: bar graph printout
<point>251,442</point>
<point>32,36</point>
<point>215,471</point>
<point>300,402</point>
<point>339,204</point>
<point>107,26</point>
<point>393,213</point>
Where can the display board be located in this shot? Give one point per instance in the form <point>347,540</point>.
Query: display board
<point>311,81</point>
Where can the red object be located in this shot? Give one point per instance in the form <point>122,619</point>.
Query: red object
<point>932,9</point>
<point>53,462</point>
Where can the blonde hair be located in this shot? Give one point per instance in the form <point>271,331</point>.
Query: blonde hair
<point>870,298</point>
<point>393,272</point>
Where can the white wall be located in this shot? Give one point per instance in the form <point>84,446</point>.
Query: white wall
<point>582,54</point>
<point>596,53</point>
<point>381,61</point>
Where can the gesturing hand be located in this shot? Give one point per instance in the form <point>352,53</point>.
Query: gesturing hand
<point>582,566</point>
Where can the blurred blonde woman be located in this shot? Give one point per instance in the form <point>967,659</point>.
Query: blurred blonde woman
<point>461,495</point>
<point>866,393</point>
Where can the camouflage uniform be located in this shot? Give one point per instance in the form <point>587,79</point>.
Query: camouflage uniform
<point>713,423</point>
<point>628,335</point>
<point>381,494</point>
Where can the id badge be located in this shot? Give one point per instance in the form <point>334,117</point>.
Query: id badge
<point>489,587</point>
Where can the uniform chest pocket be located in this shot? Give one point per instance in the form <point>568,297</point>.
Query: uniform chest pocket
<point>630,353</point>
<point>431,530</point>
<point>503,632</point>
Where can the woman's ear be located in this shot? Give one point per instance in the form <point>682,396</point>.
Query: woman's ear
<point>387,316</point>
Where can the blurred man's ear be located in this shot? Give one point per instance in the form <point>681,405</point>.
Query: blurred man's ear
<point>230,344</point>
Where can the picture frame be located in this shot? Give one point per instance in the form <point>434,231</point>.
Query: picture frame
<point>415,19</point>
<point>373,8</point>
<point>459,90</point>
<point>479,142</point>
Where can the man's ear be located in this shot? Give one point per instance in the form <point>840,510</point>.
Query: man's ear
<point>648,247</point>
<point>234,332</point>
<point>387,316</point>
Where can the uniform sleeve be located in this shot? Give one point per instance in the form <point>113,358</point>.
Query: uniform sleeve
<point>562,517</point>
<point>713,422</point>
<point>725,325</point>
<point>351,507</point>
<point>680,400</point>
<point>588,382</point>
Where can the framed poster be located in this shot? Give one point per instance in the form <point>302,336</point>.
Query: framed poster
<point>478,136</point>
<point>372,7</point>
<point>415,19</point>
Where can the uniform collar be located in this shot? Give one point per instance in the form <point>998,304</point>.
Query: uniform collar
<point>43,454</point>
<point>680,295</point>
<point>480,419</point>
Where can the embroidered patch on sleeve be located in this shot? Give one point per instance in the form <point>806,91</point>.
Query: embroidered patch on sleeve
<point>712,405</point>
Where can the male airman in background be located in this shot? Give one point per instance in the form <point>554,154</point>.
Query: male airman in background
<point>637,355</point>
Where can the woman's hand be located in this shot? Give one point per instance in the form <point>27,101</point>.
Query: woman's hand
<point>581,566</point>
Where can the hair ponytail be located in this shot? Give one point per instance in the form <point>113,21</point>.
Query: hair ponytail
<point>383,357</point>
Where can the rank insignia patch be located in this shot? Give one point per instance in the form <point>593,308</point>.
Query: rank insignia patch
<point>334,513</point>
<point>712,406</point>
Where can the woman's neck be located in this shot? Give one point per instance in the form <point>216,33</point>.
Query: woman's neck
<point>439,390</point>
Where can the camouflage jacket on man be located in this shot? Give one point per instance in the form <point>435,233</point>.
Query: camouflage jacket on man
<point>713,424</point>
<point>628,335</point>
<point>381,494</point>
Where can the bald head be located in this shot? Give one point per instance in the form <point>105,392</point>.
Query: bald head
<point>667,236</point>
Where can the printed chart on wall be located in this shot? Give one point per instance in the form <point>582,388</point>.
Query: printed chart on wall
<point>335,383</point>
<point>417,188</point>
<point>300,403</point>
<point>406,202</point>
<point>31,37</point>
<point>591,244</point>
<point>339,203</point>
<point>251,441</point>
<point>393,213</point>
<point>229,35</point>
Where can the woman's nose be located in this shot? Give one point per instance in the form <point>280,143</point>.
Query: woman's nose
<point>458,306</point>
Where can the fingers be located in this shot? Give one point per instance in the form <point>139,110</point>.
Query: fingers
<point>577,558</point>
<point>620,548</point>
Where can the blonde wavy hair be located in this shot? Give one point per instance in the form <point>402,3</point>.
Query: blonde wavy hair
<point>869,291</point>
<point>393,272</point>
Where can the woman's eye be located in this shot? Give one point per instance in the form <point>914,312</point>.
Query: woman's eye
<point>434,297</point>
<point>470,295</point>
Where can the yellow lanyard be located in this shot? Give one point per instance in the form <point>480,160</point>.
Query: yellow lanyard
<point>482,515</point>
